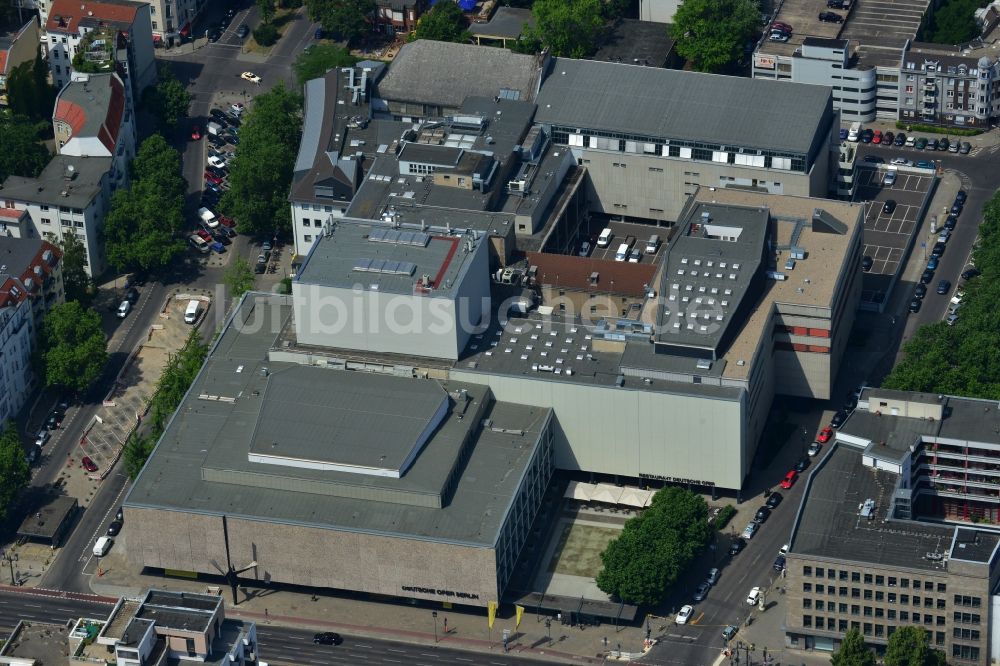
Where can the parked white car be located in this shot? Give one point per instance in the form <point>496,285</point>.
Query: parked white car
<point>750,530</point>
<point>685,614</point>
<point>754,596</point>
<point>217,162</point>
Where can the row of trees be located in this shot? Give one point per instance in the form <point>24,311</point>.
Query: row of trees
<point>907,646</point>
<point>656,547</point>
<point>954,22</point>
<point>261,172</point>
<point>168,100</point>
<point>342,19</point>
<point>963,359</point>
<point>14,473</point>
<point>181,370</point>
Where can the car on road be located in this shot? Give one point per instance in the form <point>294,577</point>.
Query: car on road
<point>763,513</point>
<point>944,286</point>
<point>114,528</point>
<point>887,139</point>
<point>327,638</point>
<point>928,275</point>
<point>956,208</point>
<point>952,318</point>
<point>687,610</point>
<point>915,305</point>
<point>965,148</point>
<point>900,139</point>
<point>34,453</point>
<point>877,137</point>
<point>754,596</point>
<point>102,546</point>
<point>779,563</point>
<point>843,134</point>
<point>736,546</point>
<point>789,479</point>
<point>215,33</point>
<point>951,222</point>
<point>88,464</point>
<point>938,249</point>
<point>802,464</point>
<point>701,591</point>
<point>970,273</point>
<point>120,515</point>
<point>217,162</point>
<point>242,31</point>
<point>217,246</point>
<point>874,159</point>
<point>42,437</point>
<point>783,27</point>
<point>212,178</point>
<point>954,147</point>
<point>923,164</point>
<point>750,530</point>
<point>815,448</point>
<point>195,132</point>
<point>713,576</point>
<point>237,108</point>
<point>824,435</point>
<point>774,499</point>
<point>920,144</point>
<point>944,144</point>
<point>932,144</point>
<point>889,206</point>
<point>867,263</point>
<point>219,116</point>
<point>831,17</point>
<point>729,632</point>
<point>260,267</point>
<point>251,77</point>
<point>123,309</point>
<point>838,419</point>
<point>221,237</point>
<point>944,235</point>
<point>961,197</point>
<point>867,136</point>
<point>920,290</point>
<point>54,419</point>
<point>902,161</point>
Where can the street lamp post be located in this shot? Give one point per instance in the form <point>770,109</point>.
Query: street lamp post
<point>434,614</point>
<point>548,627</point>
<point>9,558</point>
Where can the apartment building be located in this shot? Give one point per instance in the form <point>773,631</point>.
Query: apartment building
<point>172,20</point>
<point>101,36</point>
<point>398,16</point>
<point>16,48</point>
<point>950,86</point>
<point>30,284</point>
<point>93,118</point>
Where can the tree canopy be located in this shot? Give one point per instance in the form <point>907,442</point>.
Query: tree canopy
<point>910,646</point>
<point>168,100</point>
<point>344,19</point>
<point>570,28</point>
<point>445,22</point>
<point>711,34</point>
<point>29,92</point>
<point>74,273</point>
<point>72,347</point>
<point>655,547</point>
<point>177,376</point>
<point>261,172</point>
<point>963,359</point>
<point>239,277</point>
<point>853,651</point>
<point>315,62</point>
<point>22,154</point>
<point>266,8</point>
<point>14,472</point>
<point>143,226</point>
<point>954,22</point>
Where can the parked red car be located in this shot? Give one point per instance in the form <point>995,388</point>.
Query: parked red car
<point>824,435</point>
<point>89,464</point>
<point>227,221</point>
<point>212,178</point>
<point>789,479</point>
<point>195,132</point>
<point>205,236</point>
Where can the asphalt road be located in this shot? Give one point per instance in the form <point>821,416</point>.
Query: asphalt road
<point>278,645</point>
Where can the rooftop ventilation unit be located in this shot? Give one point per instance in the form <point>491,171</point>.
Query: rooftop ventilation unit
<point>704,364</point>
<point>867,509</point>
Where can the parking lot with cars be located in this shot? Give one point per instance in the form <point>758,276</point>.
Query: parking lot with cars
<point>600,244</point>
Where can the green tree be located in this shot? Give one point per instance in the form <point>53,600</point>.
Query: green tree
<point>239,277</point>
<point>711,34</point>
<point>345,19</point>
<point>265,34</point>
<point>445,22</point>
<point>570,28</point>
<point>168,100</point>
<point>910,646</point>
<point>143,226</point>
<point>14,473</point>
<point>74,273</point>
<point>853,651</point>
<point>953,22</point>
<point>266,8</point>
<point>261,173</point>
<point>72,348</point>
<point>29,92</point>
<point>22,154</point>
<point>315,62</point>
<point>137,450</point>
<point>655,548</point>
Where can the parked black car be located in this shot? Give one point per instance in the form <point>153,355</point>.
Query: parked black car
<point>763,513</point>
<point>736,546</point>
<point>242,31</point>
<point>773,500</point>
<point>838,419</point>
<point>970,273</point>
<point>920,291</point>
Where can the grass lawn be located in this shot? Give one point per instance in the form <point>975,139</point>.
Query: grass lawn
<point>578,552</point>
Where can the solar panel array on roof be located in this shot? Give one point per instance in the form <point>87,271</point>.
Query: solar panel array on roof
<point>385,267</point>
<point>414,238</point>
<point>507,93</point>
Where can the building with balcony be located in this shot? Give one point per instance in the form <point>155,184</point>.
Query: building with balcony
<point>394,17</point>
<point>30,284</point>
<point>860,559</point>
<point>17,48</point>
<point>70,197</point>
<point>101,37</point>
<point>944,85</point>
<point>172,20</point>
<point>158,628</point>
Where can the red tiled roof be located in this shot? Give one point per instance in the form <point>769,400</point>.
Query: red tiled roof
<point>573,272</point>
<point>113,121</point>
<point>11,213</point>
<point>70,113</point>
<point>3,62</point>
<point>65,15</point>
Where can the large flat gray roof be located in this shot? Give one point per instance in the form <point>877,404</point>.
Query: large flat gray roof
<point>829,524</point>
<point>360,253</point>
<point>209,439</point>
<point>670,104</point>
<point>58,185</point>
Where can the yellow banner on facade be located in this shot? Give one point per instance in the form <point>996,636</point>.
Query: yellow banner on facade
<point>492,608</point>
<point>520,612</point>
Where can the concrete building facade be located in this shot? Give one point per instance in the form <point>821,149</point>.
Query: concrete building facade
<point>949,86</point>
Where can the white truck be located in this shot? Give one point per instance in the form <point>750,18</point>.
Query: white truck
<point>215,129</point>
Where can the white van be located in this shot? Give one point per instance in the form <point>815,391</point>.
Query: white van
<point>605,238</point>
<point>652,244</point>
<point>102,546</point>
<point>191,313</point>
<point>855,134</point>
<point>622,253</point>
<point>208,217</point>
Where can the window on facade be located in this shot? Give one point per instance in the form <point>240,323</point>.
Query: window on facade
<point>307,238</point>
